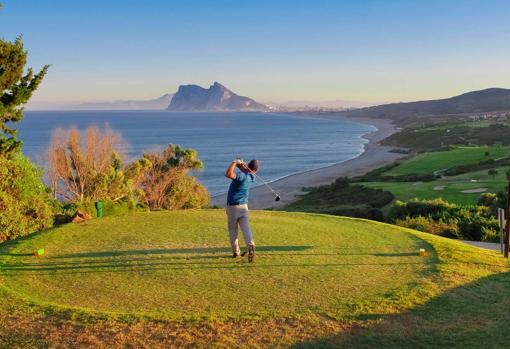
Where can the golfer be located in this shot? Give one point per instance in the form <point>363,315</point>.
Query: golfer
<point>237,205</point>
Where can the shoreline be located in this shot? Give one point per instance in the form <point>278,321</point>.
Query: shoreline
<point>290,187</point>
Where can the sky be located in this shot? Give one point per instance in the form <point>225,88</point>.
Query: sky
<point>274,50</point>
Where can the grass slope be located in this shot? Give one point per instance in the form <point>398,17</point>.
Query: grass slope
<point>165,279</point>
<point>429,163</point>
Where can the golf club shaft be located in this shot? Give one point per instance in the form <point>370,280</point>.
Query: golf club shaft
<point>265,183</point>
<point>261,179</point>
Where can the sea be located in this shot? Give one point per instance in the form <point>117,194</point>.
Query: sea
<point>284,144</point>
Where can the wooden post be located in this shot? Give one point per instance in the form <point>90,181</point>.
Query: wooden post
<point>502,222</point>
<point>506,238</point>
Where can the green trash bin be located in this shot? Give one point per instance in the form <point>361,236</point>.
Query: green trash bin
<point>99,209</point>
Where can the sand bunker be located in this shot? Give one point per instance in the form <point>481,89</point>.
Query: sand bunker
<point>477,190</point>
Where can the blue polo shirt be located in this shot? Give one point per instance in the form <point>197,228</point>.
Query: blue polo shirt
<point>239,189</point>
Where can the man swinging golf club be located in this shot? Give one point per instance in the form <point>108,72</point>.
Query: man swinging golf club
<point>237,205</point>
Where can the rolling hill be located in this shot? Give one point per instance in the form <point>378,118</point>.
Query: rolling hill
<point>471,103</point>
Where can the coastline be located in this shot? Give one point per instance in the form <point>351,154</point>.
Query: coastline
<point>290,187</point>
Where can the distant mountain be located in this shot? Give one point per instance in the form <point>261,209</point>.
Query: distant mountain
<point>152,104</point>
<point>476,102</point>
<point>216,98</point>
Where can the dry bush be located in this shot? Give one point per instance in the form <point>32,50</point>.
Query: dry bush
<point>85,165</point>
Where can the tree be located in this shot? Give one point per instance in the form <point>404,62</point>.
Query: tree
<point>24,204</point>
<point>166,182</point>
<point>16,88</point>
<point>492,172</point>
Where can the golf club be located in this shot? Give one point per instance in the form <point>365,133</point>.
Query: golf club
<point>276,195</point>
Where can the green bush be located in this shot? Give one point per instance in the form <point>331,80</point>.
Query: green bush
<point>25,205</point>
<point>446,219</point>
<point>165,181</point>
<point>492,172</point>
<point>186,192</point>
<point>436,209</point>
<point>487,199</point>
<point>478,228</point>
<point>428,225</point>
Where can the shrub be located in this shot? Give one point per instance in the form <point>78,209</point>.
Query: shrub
<point>186,193</point>
<point>428,225</point>
<point>493,201</point>
<point>475,227</point>
<point>87,166</point>
<point>165,183</point>
<point>437,209</point>
<point>487,199</point>
<point>443,218</point>
<point>24,202</point>
<point>490,235</point>
<point>492,172</point>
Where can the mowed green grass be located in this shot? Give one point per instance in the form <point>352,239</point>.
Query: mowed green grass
<point>447,188</point>
<point>177,265</point>
<point>431,162</point>
<point>165,280</point>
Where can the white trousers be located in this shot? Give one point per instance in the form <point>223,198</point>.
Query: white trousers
<point>238,217</point>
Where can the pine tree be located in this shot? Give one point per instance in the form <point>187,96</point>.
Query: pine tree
<point>16,88</point>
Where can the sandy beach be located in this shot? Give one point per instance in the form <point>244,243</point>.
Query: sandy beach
<point>289,188</point>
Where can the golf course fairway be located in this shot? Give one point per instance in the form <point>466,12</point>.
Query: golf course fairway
<point>316,280</point>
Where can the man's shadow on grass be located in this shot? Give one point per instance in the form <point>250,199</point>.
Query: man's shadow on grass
<point>185,258</point>
<point>171,251</point>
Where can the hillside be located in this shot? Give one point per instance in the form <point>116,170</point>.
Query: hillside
<point>216,98</point>
<point>166,279</point>
<point>471,103</point>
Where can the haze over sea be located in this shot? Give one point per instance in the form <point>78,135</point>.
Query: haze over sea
<point>285,144</point>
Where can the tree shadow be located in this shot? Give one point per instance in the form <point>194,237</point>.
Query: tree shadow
<point>9,245</point>
<point>475,315</point>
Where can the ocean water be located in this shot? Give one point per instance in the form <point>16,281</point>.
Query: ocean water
<point>284,144</point>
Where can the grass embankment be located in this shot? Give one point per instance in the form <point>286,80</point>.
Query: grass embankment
<point>165,278</point>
